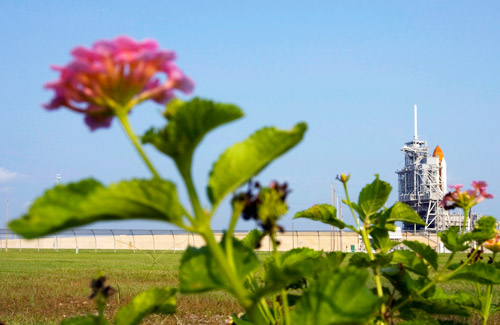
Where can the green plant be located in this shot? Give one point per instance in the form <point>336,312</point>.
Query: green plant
<point>300,286</point>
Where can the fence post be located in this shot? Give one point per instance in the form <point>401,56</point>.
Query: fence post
<point>331,238</point>
<point>133,238</point>
<point>76,241</point>
<point>154,244</point>
<point>114,240</point>
<point>38,244</point>
<point>19,238</point>
<point>95,241</point>
<point>173,236</point>
<point>319,243</point>
<point>55,243</point>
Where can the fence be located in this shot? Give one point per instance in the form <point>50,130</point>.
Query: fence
<point>175,240</point>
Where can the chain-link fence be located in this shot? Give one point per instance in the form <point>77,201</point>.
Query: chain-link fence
<point>175,240</point>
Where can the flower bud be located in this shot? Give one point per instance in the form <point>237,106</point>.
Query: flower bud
<point>343,178</point>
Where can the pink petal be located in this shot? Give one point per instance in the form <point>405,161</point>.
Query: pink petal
<point>55,103</point>
<point>81,52</point>
<point>163,97</point>
<point>179,79</point>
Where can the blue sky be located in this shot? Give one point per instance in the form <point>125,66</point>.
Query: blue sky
<point>351,70</point>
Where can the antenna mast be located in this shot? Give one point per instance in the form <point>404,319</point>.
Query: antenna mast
<point>415,135</point>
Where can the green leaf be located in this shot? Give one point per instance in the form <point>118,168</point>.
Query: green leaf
<point>411,261</point>
<point>379,220</point>
<point>362,260</point>
<point>252,239</point>
<point>325,213</point>
<point>87,201</point>
<point>452,240</point>
<point>338,298</point>
<point>332,261</point>
<point>197,274</point>
<point>297,256</point>
<point>152,301</point>
<point>382,241</point>
<point>403,282</point>
<point>478,272</point>
<point>418,317</point>
<point>459,298</point>
<point>245,159</point>
<point>442,304</point>
<point>84,320</point>
<point>484,230</point>
<point>402,212</point>
<point>297,266</point>
<point>373,197</point>
<point>199,271</point>
<point>188,123</point>
<point>424,251</point>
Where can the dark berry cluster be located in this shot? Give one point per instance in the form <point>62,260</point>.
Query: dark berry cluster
<point>99,286</point>
<point>477,256</point>
<point>264,204</point>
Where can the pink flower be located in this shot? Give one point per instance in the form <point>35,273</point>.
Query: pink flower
<point>114,76</point>
<point>467,199</point>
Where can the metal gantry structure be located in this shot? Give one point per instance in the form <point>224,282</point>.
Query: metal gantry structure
<point>422,183</point>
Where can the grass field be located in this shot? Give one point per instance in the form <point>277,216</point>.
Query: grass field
<point>44,287</point>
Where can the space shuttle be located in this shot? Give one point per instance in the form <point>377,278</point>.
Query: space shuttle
<point>438,153</point>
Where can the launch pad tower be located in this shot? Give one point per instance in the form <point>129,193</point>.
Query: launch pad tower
<point>422,184</point>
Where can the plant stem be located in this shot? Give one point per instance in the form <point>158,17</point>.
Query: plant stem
<point>238,289</point>
<point>122,117</point>
<point>202,224</point>
<point>100,308</point>
<point>284,295</point>
<point>350,207</point>
<point>464,264</point>
<point>378,281</point>
<point>485,310</point>
<point>486,307</point>
<point>185,171</point>
<point>262,302</point>
<point>237,209</point>
<point>466,216</point>
<point>366,241</point>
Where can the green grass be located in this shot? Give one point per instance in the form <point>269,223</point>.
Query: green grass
<point>44,287</point>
